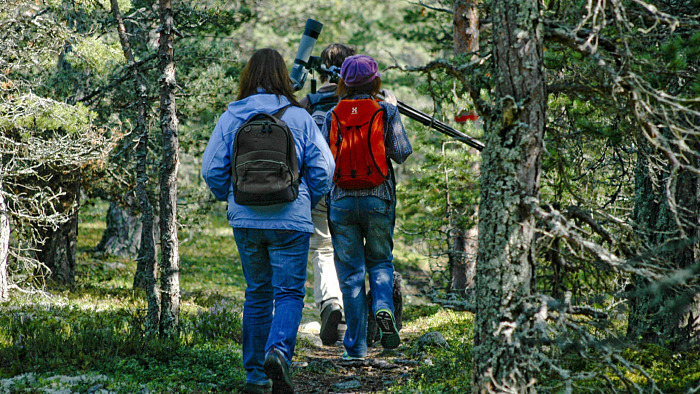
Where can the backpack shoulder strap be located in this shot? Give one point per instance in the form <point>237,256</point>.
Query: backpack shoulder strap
<point>281,111</point>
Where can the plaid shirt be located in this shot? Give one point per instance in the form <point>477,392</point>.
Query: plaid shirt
<point>398,148</point>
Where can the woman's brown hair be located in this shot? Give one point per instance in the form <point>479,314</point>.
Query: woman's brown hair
<point>266,70</point>
<point>371,88</point>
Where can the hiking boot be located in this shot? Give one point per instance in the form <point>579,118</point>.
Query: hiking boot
<point>331,316</point>
<point>387,327</point>
<point>252,388</point>
<point>277,369</point>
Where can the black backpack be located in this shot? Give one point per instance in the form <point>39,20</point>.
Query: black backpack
<point>320,103</point>
<point>264,165</point>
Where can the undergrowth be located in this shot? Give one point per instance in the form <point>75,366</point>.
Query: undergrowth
<point>91,336</point>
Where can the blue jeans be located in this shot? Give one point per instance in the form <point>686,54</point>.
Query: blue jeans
<point>362,230</point>
<point>274,266</point>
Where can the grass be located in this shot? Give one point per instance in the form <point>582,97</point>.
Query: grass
<point>91,336</point>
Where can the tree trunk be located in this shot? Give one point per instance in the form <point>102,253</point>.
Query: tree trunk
<point>667,314</point>
<point>59,249</point>
<point>4,245</point>
<point>457,260</point>
<point>146,269</point>
<point>465,26</point>
<point>466,40</point>
<point>510,178</point>
<point>122,236</point>
<point>170,260</point>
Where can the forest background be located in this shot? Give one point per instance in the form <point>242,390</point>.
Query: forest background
<point>561,258</point>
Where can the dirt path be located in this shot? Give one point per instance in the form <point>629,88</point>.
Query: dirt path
<point>320,369</point>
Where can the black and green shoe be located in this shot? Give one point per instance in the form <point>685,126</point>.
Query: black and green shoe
<point>387,327</point>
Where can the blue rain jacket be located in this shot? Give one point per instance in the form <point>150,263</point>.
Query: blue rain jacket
<point>312,152</point>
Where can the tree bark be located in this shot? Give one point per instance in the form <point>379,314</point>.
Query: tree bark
<point>465,40</point>
<point>4,244</point>
<point>146,267</point>
<point>59,248</point>
<point>170,260</point>
<point>667,314</point>
<point>463,266</point>
<point>510,179</point>
<point>457,260</point>
<point>122,236</point>
<point>465,26</point>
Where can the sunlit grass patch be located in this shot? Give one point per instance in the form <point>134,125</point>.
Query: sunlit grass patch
<point>210,262</point>
<point>673,372</point>
<point>441,370</point>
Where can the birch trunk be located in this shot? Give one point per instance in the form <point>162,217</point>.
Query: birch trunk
<point>170,260</point>
<point>4,245</point>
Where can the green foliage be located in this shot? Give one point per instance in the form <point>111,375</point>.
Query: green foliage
<point>421,24</point>
<point>221,322</point>
<point>47,337</point>
<point>91,5</point>
<point>94,56</point>
<point>434,202</point>
<point>442,370</point>
<point>40,115</point>
<point>95,330</point>
<point>673,372</point>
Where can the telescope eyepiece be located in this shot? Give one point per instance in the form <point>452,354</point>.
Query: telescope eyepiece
<point>313,28</point>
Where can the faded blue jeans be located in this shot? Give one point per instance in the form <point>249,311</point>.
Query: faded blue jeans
<point>362,229</point>
<point>274,266</point>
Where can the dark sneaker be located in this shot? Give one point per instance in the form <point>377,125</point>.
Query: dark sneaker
<point>387,327</point>
<point>277,369</point>
<point>331,316</point>
<point>252,388</point>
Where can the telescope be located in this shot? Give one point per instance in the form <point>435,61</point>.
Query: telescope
<point>300,68</point>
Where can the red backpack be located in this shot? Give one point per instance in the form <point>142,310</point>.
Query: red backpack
<point>357,144</point>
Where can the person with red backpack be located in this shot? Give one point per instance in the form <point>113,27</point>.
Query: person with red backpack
<point>364,135</point>
<point>327,295</point>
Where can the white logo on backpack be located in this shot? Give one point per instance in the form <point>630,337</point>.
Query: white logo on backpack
<point>354,110</point>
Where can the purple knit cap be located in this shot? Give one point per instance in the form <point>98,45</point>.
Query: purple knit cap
<point>358,70</point>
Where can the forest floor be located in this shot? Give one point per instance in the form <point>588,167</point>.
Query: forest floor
<point>320,369</point>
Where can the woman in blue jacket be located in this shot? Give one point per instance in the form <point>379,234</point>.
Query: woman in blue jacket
<point>273,241</point>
